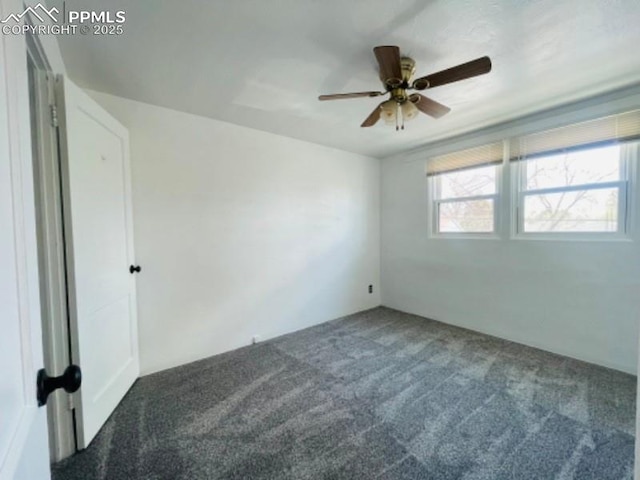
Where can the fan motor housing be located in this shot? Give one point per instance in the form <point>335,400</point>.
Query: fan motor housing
<point>398,92</point>
<point>408,69</point>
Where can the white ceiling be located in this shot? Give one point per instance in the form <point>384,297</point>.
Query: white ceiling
<point>262,64</point>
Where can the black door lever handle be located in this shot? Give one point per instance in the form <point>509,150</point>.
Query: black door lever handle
<point>133,269</point>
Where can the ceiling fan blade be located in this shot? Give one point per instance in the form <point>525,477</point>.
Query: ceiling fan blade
<point>342,96</point>
<point>428,106</point>
<point>470,69</point>
<point>372,118</point>
<point>389,60</point>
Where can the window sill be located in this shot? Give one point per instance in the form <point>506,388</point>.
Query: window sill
<point>464,236</point>
<point>563,237</point>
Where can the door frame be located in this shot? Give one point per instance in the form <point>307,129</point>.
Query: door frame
<point>51,248</point>
<point>23,434</point>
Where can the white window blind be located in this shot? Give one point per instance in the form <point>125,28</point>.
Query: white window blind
<point>471,158</point>
<point>603,131</point>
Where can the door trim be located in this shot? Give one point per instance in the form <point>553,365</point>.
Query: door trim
<point>51,255</point>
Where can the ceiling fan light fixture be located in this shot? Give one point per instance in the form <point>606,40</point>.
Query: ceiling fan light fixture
<point>396,113</point>
<point>388,112</point>
<point>409,110</point>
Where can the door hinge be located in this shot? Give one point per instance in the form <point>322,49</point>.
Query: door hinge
<point>54,116</point>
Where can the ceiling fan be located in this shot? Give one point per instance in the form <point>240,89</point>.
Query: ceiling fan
<point>396,73</point>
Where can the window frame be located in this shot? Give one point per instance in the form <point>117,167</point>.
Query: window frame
<point>625,186</point>
<point>434,188</point>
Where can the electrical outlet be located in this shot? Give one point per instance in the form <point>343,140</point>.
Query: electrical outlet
<point>255,339</point>
<point>370,288</point>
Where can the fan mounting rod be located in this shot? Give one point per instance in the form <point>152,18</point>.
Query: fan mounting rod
<point>408,69</point>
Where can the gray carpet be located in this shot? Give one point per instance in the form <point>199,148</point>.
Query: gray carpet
<point>376,395</point>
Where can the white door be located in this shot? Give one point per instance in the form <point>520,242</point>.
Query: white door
<point>99,244</point>
<point>24,453</point>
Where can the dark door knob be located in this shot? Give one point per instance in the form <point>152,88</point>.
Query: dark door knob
<point>133,269</point>
<point>70,380</point>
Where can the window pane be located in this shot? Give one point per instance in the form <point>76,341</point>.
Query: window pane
<point>595,165</point>
<point>468,183</point>
<point>466,216</point>
<point>577,211</point>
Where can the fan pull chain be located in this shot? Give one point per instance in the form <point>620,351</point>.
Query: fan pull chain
<point>398,113</point>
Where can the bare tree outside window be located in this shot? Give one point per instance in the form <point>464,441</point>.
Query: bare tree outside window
<point>575,191</point>
<point>467,200</point>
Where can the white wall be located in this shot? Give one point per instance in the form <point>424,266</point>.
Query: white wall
<point>241,232</point>
<point>580,299</point>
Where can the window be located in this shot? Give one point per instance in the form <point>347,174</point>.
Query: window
<point>581,191</point>
<point>575,180</point>
<point>464,188</point>
<point>567,183</point>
